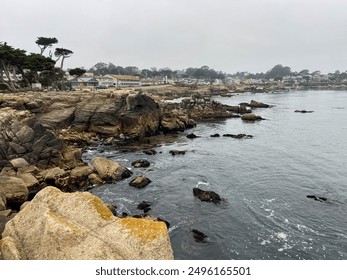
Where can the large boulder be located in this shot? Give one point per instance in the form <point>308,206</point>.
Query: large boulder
<point>14,189</point>
<point>109,170</point>
<point>49,228</point>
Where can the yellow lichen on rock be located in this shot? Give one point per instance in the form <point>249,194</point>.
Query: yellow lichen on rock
<point>145,230</point>
<point>101,208</point>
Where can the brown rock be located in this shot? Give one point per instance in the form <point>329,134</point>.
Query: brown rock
<point>140,182</point>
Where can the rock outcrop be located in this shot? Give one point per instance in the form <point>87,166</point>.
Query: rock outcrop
<point>22,136</point>
<point>48,228</point>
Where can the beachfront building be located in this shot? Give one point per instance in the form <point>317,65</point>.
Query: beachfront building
<point>83,83</point>
<point>118,81</point>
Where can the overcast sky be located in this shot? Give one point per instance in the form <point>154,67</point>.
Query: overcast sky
<point>227,35</point>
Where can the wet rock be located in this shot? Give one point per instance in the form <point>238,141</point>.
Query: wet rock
<point>215,135</point>
<point>112,208</point>
<point>199,236</point>
<point>165,221</point>
<point>303,111</point>
<point>145,206</point>
<point>109,170</point>
<point>251,117</point>
<point>150,152</point>
<point>317,198</point>
<point>50,228</point>
<point>238,136</point>
<point>177,152</point>
<point>140,182</point>
<point>191,136</point>
<point>208,196</point>
<point>140,163</point>
<point>256,104</point>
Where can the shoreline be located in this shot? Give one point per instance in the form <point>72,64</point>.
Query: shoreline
<point>57,125</point>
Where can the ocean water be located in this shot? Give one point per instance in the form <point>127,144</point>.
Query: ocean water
<point>264,181</point>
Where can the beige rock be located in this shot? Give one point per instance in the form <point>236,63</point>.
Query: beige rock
<point>95,179</point>
<point>50,228</point>
<point>29,180</point>
<point>19,163</point>
<point>53,173</point>
<point>14,189</point>
<point>81,171</point>
<point>250,117</point>
<point>6,213</point>
<point>109,170</point>
<point>25,204</point>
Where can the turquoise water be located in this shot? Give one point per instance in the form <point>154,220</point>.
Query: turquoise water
<point>264,181</point>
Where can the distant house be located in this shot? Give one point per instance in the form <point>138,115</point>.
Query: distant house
<point>83,83</point>
<point>118,81</point>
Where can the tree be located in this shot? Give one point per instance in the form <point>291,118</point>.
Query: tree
<point>63,54</point>
<point>11,60</point>
<point>278,71</point>
<point>36,63</point>
<point>45,42</point>
<point>77,72</point>
<point>51,77</point>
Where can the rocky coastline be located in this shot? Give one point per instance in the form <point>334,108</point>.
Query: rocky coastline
<point>44,181</point>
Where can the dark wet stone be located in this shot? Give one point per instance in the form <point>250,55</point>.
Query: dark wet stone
<point>177,152</point>
<point>215,135</point>
<point>208,196</point>
<point>238,136</point>
<point>199,236</point>
<point>317,198</point>
<point>191,136</point>
<point>303,111</point>
<point>145,206</point>
<point>140,163</point>
<point>150,152</point>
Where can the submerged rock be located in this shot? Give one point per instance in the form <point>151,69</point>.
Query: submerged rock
<point>150,152</point>
<point>303,111</point>
<point>208,196</point>
<point>238,136</point>
<point>317,198</point>
<point>50,228</point>
<point>215,135</point>
<point>199,236</point>
<point>177,152</point>
<point>191,136</point>
<point>140,182</point>
<point>140,163</point>
<point>145,206</point>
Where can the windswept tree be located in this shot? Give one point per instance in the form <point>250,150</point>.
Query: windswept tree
<point>77,72</point>
<point>63,54</point>
<point>11,62</point>
<point>45,42</point>
<point>35,63</point>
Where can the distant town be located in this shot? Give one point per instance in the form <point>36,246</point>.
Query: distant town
<point>20,71</point>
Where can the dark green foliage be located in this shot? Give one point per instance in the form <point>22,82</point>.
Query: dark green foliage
<point>45,42</point>
<point>77,72</point>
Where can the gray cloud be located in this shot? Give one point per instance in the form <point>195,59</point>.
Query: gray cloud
<point>228,35</point>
